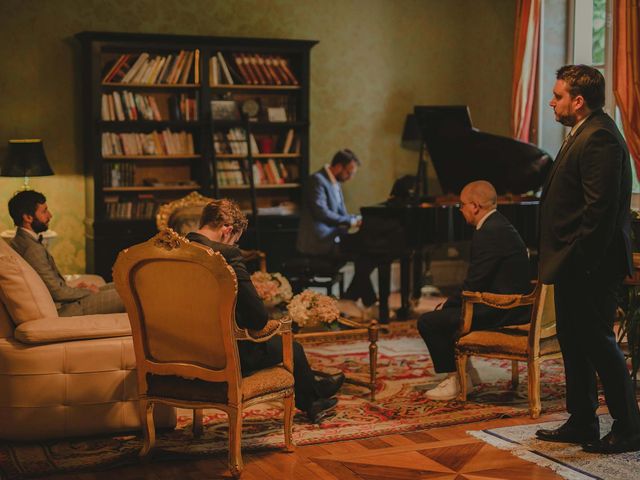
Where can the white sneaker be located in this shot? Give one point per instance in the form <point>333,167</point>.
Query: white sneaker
<point>448,389</point>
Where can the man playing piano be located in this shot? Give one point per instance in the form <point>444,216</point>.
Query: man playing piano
<point>499,264</point>
<point>324,224</point>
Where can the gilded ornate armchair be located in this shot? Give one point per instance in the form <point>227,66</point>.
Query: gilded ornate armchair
<point>532,343</point>
<point>183,216</point>
<point>181,299</point>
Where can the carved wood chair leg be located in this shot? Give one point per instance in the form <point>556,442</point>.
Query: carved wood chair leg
<point>288,422</point>
<point>148,427</point>
<point>197,422</point>
<point>534,388</point>
<point>235,434</point>
<point>461,362</point>
<point>515,377</point>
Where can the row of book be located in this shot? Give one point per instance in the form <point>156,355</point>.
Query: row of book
<point>142,208</point>
<point>250,69</point>
<point>127,106</point>
<point>268,172</point>
<point>170,69</point>
<point>234,142</point>
<point>154,143</point>
<point>118,174</point>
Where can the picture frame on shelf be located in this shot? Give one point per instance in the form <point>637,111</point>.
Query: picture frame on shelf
<point>225,110</point>
<point>276,114</point>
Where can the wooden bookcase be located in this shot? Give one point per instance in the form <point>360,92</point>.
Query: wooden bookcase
<point>169,130</point>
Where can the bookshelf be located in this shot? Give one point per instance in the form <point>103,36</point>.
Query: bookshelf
<point>168,114</point>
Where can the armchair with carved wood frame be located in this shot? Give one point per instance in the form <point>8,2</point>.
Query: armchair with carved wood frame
<point>183,216</point>
<point>532,343</point>
<point>180,297</point>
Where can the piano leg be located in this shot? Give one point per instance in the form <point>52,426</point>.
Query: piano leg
<point>405,282</point>
<point>384,288</point>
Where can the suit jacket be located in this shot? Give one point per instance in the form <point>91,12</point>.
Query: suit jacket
<point>324,216</point>
<point>499,264</point>
<point>43,263</point>
<point>250,311</point>
<point>584,214</point>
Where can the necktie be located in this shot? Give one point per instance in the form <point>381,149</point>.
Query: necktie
<point>40,238</point>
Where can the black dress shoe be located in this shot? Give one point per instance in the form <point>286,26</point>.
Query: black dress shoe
<point>319,409</point>
<point>614,442</point>
<point>327,386</point>
<point>567,433</point>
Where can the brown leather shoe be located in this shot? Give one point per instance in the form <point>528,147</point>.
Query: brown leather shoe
<point>567,433</point>
<point>614,442</point>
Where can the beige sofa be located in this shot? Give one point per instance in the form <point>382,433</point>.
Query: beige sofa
<point>62,377</point>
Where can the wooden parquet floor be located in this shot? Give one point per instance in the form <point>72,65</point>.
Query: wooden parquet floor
<point>438,454</point>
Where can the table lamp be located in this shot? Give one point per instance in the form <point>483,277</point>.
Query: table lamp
<point>25,158</point>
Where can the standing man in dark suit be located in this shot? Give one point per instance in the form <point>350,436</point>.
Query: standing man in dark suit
<point>499,264</point>
<point>324,224</point>
<point>221,226</point>
<point>585,252</point>
<point>31,215</point>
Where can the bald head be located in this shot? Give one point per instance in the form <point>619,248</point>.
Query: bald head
<point>482,193</point>
<point>476,200</point>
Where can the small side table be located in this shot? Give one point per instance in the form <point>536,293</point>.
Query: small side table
<point>355,331</point>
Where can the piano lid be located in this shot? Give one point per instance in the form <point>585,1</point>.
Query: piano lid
<point>462,154</point>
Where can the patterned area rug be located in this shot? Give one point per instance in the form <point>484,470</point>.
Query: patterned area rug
<point>568,461</point>
<point>404,373</point>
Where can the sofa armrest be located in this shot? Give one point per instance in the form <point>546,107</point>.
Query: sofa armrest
<point>62,329</point>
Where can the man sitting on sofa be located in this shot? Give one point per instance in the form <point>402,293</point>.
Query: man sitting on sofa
<point>30,213</point>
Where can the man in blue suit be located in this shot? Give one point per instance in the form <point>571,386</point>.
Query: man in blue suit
<point>325,222</point>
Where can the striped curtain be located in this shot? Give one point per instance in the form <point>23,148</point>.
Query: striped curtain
<point>525,67</point>
<point>626,72</point>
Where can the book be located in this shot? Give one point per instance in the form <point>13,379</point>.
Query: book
<point>275,171</point>
<point>214,71</point>
<point>117,66</point>
<point>187,68</point>
<point>169,64</point>
<point>288,141</point>
<point>224,68</point>
<point>241,68</point>
<point>175,71</point>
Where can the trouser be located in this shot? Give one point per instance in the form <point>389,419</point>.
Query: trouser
<point>439,330</point>
<point>350,248</point>
<point>257,356</point>
<point>585,312</point>
<point>106,300</point>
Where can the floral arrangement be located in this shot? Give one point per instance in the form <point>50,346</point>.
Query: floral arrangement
<point>312,308</point>
<point>272,288</point>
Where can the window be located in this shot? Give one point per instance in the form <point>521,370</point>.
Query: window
<point>590,23</point>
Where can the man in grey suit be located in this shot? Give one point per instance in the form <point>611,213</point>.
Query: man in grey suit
<point>31,215</point>
<point>324,224</point>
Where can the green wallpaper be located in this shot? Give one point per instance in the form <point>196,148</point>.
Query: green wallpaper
<point>375,60</point>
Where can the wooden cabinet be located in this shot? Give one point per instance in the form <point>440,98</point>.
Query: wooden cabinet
<point>164,115</point>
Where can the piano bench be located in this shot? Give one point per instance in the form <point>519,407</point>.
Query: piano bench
<point>309,271</point>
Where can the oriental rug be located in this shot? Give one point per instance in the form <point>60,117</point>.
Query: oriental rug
<point>405,372</point>
<point>568,461</point>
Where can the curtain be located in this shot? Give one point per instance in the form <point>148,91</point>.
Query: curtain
<point>626,72</point>
<point>525,67</point>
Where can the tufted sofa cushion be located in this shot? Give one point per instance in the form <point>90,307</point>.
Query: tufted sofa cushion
<point>22,291</point>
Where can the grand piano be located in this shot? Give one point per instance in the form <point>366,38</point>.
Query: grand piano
<point>402,226</point>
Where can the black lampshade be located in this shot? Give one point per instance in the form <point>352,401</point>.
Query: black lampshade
<point>411,135</point>
<point>25,158</point>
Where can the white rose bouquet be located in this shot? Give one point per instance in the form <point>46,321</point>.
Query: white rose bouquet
<point>272,288</point>
<point>310,308</point>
